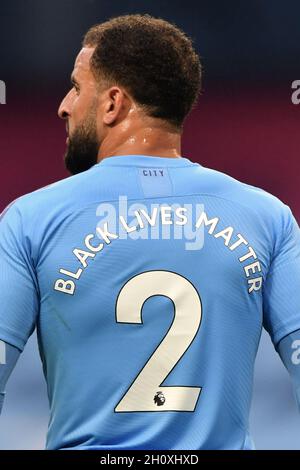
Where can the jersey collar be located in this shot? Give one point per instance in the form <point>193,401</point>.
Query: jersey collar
<point>144,161</point>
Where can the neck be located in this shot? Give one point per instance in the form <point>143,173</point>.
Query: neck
<point>154,140</point>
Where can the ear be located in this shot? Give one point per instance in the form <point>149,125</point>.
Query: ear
<point>114,106</point>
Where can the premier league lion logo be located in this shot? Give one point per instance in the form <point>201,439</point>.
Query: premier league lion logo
<point>159,398</point>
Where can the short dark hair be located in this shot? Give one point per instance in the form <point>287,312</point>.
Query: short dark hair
<point>151,58</point>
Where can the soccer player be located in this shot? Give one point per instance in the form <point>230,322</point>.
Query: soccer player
<point>148,277</point>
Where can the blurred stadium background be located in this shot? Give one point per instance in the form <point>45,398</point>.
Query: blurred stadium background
<point>245,125</point>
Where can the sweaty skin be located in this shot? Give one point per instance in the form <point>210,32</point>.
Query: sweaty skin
<point>123,128</point>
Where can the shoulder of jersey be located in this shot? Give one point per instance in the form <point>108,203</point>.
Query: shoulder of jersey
<point>54,193</point>
<point>218,184</point>
<point>213,183</point>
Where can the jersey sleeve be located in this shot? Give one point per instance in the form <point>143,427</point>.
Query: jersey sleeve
<point>289,351</point>
<point>19,298</point>
<point>281,293</point>
<point>8,358</point>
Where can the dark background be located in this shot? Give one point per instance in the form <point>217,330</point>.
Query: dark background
<point>245,125</point>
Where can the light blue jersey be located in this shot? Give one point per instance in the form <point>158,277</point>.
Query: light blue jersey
<point>149,280</point>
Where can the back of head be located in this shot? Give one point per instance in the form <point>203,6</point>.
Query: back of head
<point>151,58</point>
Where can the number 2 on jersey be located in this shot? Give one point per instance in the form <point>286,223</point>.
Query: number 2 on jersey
<point>146,392</point>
